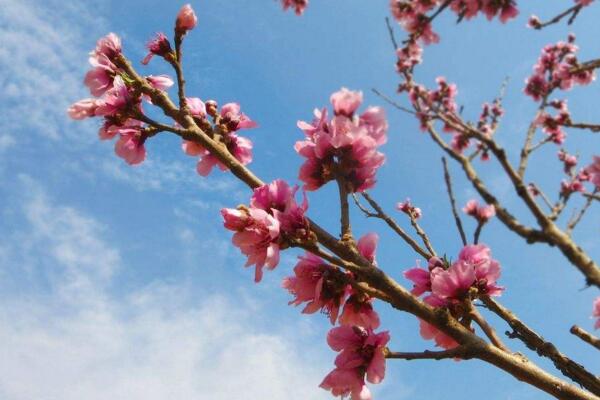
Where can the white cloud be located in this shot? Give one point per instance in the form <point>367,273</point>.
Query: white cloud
<point>79,340</point>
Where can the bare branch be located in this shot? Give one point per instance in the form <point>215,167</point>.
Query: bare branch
<point>457,220</point>
<point>544,348</point>
<point>585,336</point>
<point>461,352</point>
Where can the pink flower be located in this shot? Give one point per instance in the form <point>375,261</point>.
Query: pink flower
<point>506,8</point>
<point>345,101</point>
<point>596,312</point>
<point>160,82</point>
<point>297,5</point>
<point>115,100</point>
<point>112,127</point>
<point>196,106</point>
<point>109,46</point>
<point>453,283</point>
<point>344,144</point>
<point>186,19</point>
<point>279,199</point>
<point>430,332</point>
<point>318,284</point>
<point>407,208</point>
<point>234,119</point>
<point>256,235</point>
<point>487,270</point>
<point>158,46</point>
<point>239,147</point>
<point>593,170</point>
<point>367,246</point>
<point>481,213</point>
<point>100,78</point>
<point>584,3</point>
<point>130,146</point>
<point>359,311</point>
<point>362,352</point>
<point>85,108</point>
<point>421,280</point>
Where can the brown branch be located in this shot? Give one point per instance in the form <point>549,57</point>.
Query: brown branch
<point>391,33</point>
<point>581,125</point>
<point>544,348</point>
<point>572,11</point>
<point>392,102</point>
<point>586,66</point>
<point>461,352</point>
<point>457,220</point>
<point>585,336</point>
<point>525,150</point>
<point>489,331</point>
<point>573,223</point>
<point>345,229</point>
<point>177,66</point>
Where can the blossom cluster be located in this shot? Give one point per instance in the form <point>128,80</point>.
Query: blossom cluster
<point>324,287</point>
<point>345,147</point>
<point>267,225</point>
<point>297,5</point>
<point>409,209</point>
<point>115,101</point>
<point>412,14</point>
<point>474,273</point>
<point>556,69</point>
<point>482,213</point>
<point>228,121</point>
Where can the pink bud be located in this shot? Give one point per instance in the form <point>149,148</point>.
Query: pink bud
<point>186,19</point>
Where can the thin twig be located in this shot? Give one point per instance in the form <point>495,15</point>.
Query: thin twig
<point>582,125</point>
<point>572,10</point>
<point>391,33</point>
<point>461,352</point>
<point>585,336</point>
<point>573,223</point>
<point>457,219</point>
<point>392,102</point>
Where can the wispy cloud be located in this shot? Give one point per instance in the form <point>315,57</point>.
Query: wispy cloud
<point>78,339</point>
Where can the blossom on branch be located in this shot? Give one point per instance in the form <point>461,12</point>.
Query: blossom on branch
<point>265,227</point>
<point>322,286</point>
<point>362,354</point>
<point>343,147</point>
<point>482,213</point>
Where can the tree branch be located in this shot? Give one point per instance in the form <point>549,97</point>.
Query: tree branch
<point>585,336</point>
<point>461,352</point>
<point>544,348</point>
<point>457,219</point>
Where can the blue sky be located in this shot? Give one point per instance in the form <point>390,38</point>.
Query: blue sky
<point>119,282</point>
